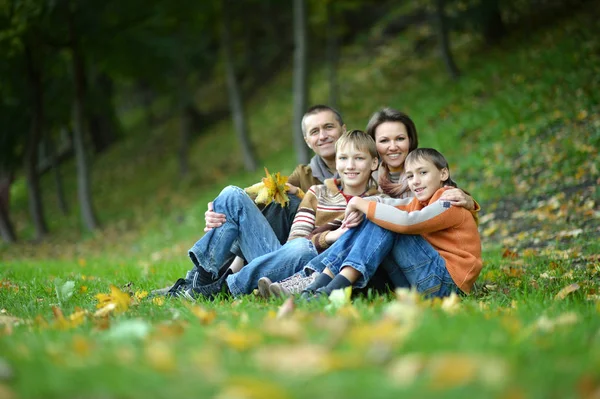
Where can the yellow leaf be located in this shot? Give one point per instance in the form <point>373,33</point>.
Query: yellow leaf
<point>119,299</point>
<point>139,295</point>
<point>160,357</point>
<point>562,294</point>
<point>272,188</point>
<point>297,360</point>
<point>452,370</point>
<point>405,370</point>
<point>205,316</point>
<point>158,301</point>
<point>251,388</point>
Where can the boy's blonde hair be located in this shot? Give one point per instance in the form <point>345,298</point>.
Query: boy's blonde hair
<point>433,156</point>
<point>360,140</point>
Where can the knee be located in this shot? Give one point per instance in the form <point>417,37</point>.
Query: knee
<point>231,192</point>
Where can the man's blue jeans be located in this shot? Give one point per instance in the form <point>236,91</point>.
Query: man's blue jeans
<point>408,259</point>
<point>247,227</point>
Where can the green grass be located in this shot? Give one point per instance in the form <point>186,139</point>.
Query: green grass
<point>521,130</point>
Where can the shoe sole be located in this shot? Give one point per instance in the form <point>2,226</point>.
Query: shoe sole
<point>263,288</point>
<point>277,290</point>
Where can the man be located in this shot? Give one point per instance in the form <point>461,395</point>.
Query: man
<point>321,127</point>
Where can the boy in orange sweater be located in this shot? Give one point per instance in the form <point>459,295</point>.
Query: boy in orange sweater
<point>438,250</point>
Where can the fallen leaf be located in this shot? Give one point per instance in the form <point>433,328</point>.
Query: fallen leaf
<point>562,294</point>
<point>407,369</point>
<point>205,316</point>
<point>298,360</point>
<point>251,388</point>
<point>117,300</point>
<point>160,356</point>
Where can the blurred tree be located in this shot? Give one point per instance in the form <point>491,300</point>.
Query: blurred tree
<point>332,51</point>
<point>236,103</point>
<point>84,193</point>
<point>30,166</point>
<point>443,34</point>
<point>300,79</point>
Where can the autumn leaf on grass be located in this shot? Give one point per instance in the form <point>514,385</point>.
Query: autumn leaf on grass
<point>64,323</point>
<point>251,388</point>
<point>117,301</point>
<point>205,316</point>
<point>271,188</point>
<point>562,294</point>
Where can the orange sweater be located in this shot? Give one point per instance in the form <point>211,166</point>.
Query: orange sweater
<point>449,229</point>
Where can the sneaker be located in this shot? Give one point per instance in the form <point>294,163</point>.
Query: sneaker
<point>291,285</point>
<point>209,290</point>
<point>263,287</point>
<point>179,286</point>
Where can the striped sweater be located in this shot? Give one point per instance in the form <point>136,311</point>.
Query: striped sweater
<point>451,230</point>
<point>321,210</point>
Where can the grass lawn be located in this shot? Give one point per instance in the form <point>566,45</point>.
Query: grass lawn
<point>521,130</point>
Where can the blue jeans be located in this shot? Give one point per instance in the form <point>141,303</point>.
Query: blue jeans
<point>275,265</point>
<point>246,226</point>
<point>409,259</point>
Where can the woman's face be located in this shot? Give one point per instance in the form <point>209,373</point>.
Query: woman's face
<point>392,144</point>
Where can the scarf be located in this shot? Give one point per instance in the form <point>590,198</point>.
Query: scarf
<point>319,169</point>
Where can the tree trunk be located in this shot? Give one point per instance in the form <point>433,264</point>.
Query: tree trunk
<point>332,54</point>
<point>60,193</point>
<point>185,126</point>
<point>36,208</point>
<point>300,79</point>
<point>103,120</point>
<point>444,40</point>
<point>83,176</point>
<point>7,231</point>
<point>493,25</point>
<point>236,103</point>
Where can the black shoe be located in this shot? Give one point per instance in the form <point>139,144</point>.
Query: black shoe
<point>177,288</point>
<point>210,290</point>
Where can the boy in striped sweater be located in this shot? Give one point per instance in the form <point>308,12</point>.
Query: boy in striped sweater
<point>317,224</point>
<point>438,250</point>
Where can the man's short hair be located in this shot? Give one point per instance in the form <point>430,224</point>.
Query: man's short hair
<point>315,109</point>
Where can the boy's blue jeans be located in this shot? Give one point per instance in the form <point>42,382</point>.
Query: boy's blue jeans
<point>247,227</point>
<point>409,260</point>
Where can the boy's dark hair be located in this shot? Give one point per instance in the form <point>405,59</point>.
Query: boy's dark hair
<point>391,115</point>
<point>315,109</point>
<point>433,156</point>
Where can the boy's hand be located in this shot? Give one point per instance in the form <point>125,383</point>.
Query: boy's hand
<point>356,204</point>
<point>458,197</point>
<point>334,235</point>
<point>352,219</point>
<point>212,218</point>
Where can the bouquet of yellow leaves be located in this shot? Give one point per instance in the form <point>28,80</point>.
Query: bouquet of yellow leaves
<point>273,187</point>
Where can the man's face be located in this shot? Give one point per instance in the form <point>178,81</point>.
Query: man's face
<point>322,131</point>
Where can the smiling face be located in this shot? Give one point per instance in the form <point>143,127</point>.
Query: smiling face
<point>424,178</point>
<point>321,131</point>
<point>393,144</point>
<point>354,167</point>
